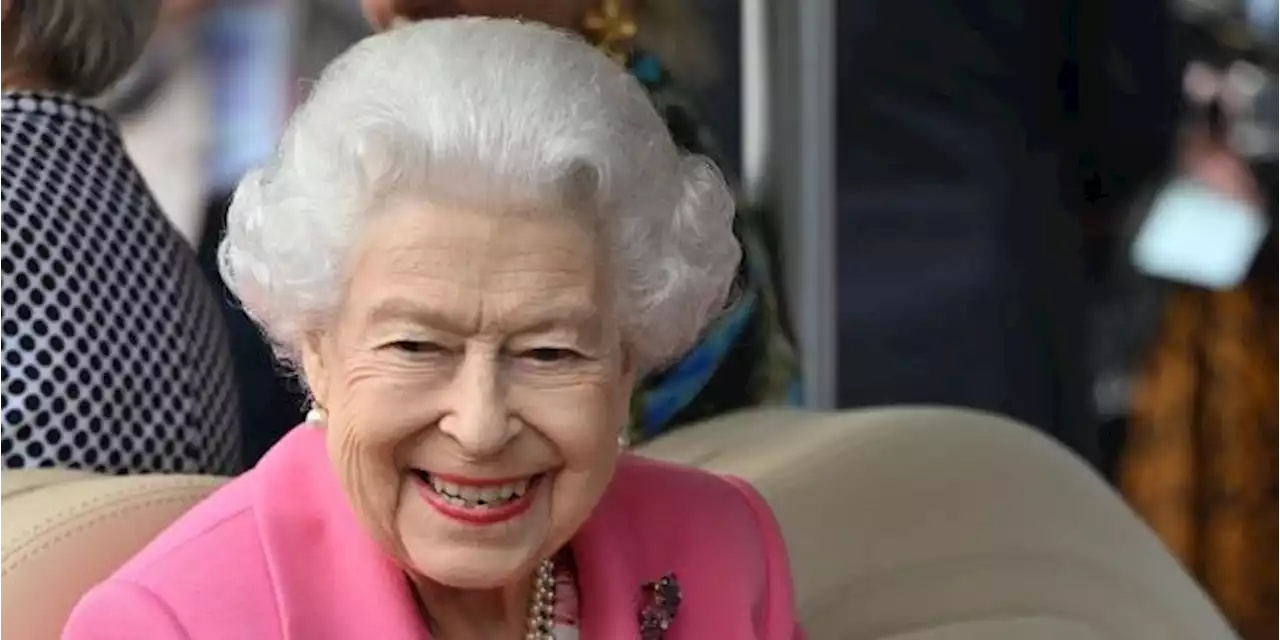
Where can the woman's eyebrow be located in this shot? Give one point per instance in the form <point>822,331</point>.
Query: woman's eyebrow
<point>398,309</point>
<point>533,316</point>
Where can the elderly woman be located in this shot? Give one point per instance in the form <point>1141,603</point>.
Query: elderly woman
<point>115,357</point>
<point>475,236</point>
<point>744,358</point>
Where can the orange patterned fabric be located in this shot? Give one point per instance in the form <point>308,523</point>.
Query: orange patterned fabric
<point>1200,464</point>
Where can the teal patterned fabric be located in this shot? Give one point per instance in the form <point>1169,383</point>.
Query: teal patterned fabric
<point>746,357</point>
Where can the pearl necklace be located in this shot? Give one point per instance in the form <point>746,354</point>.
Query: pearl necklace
<point>542,604</point>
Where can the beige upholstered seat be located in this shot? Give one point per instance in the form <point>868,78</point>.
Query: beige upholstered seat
<point>903,524</point>
<point>16,483</point>
<point>65,531</point>
<point>938,524</point>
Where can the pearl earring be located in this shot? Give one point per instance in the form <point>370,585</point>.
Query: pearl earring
<point>317,417</point>
<point>624,441</point>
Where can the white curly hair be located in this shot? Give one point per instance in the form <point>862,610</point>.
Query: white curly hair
<point>468,110</point>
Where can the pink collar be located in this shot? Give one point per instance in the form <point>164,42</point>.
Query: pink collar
<point>333,581</point>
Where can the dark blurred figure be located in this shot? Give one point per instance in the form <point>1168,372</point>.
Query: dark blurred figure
<point>974,135</point>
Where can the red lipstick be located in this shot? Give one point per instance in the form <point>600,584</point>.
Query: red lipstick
<point>479,516</point>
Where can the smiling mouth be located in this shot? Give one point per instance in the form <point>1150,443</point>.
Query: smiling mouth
<point>480,496</point>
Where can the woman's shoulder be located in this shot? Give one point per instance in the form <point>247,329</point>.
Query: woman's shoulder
<point>642,478</point>
<point>69,179</point>
<point>221,524</point>
<point>228,523</point>
<point>714,533</point>
<point>211,552</point>
<point>259,552</point>
<point>692,507</point>
<point>212,562</point>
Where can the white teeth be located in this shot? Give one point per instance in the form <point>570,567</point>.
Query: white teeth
<point>479,497</point>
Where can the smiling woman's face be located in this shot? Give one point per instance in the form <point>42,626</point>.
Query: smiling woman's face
<point>475,383</point>
<point>565,14</point>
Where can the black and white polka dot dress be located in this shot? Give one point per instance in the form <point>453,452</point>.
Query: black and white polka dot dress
<point>114,354</point>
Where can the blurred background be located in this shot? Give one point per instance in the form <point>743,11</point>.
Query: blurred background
<point>946,183</point>
<point>1009,205</point>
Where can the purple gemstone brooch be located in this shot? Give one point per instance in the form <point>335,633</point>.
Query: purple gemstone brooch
<point>661,601</point>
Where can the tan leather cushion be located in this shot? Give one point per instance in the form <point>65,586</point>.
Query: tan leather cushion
<point>16,482</point>
<point>903,524</point>
<point>1010,627</point>
<point>938,524</point>
<point>60,538</point>
<point>734,439</point>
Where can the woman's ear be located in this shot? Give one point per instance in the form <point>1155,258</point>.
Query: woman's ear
<point>629,371</point>
<point>315,366</point>
<point>627,393</point>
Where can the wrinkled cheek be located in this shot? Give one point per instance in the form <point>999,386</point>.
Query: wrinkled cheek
<point>576,494</point>
<point>371,480</point>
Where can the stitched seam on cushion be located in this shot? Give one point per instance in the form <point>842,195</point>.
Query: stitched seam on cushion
<point>135,491</point>
<point>22,553</point>
<point>23,492</point>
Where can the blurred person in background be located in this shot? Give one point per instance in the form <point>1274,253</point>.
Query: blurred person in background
<point>746,357</point>
<point>1200,459</point>
<point>974,136</point>
<point>115,357</point>
<point>204,105</point>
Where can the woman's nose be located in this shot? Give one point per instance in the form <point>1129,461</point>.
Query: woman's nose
<point>478,419</point>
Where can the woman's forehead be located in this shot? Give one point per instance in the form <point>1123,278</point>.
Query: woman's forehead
<point>425,262</point>
<point>423,237</point>
<point>476,314</point>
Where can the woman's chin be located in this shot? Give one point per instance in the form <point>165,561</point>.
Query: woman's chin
<point>465,554</point>
<point>471,568</point>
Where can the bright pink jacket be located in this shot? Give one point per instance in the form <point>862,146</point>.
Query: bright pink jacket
<point>278,554</point>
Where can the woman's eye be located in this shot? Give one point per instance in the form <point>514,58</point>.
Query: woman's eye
<point>550,354</point>
<point>416,347</point>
